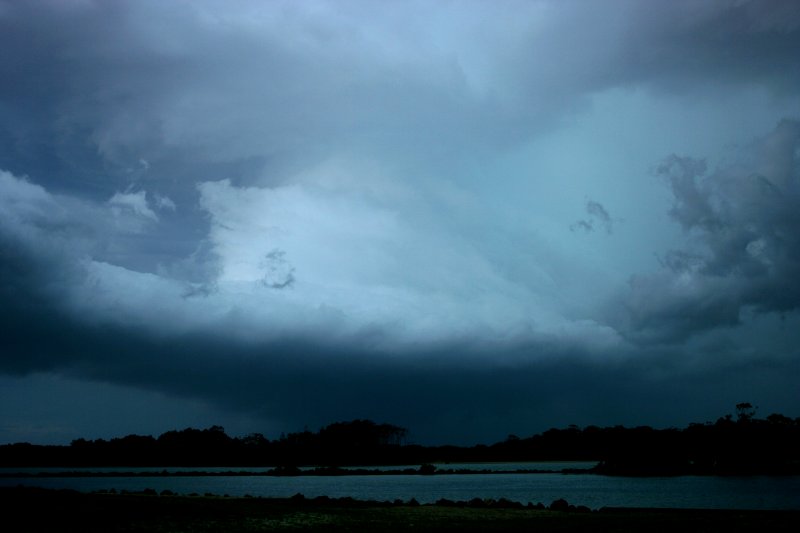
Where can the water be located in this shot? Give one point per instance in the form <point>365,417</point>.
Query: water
<point>551,466</point>
<point>758,492</point>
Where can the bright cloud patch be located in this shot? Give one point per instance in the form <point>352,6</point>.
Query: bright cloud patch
<point>295,261</point>
<point>339,249</point>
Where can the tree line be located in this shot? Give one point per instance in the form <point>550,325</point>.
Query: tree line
<point>741,445</point>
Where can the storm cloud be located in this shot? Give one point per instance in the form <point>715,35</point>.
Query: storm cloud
<point>743,253</point>
<point>597,214</point>
<point>298,212</point>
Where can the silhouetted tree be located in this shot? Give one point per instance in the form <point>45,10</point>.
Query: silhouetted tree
<point>745,412</point>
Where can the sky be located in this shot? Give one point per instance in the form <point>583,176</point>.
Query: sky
<point>470,219</point>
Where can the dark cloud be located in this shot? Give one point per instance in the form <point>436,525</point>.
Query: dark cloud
<point>597,214</point>
<point>276,207</point>
<point>675,45</point>
<point>744,252</point>
<point>299,382</point>
<point>200,93</point>
<point>669,47</point>
<point>449,393</point>
<point>278,272</point>
<point>452,393</point>
<point>585,225</point>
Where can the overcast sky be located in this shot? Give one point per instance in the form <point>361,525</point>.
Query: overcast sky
<point>466,218</point>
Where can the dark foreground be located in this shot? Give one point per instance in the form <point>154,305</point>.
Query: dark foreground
<point>34,510</point>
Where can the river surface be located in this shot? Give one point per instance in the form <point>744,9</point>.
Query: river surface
<point>594,491</point>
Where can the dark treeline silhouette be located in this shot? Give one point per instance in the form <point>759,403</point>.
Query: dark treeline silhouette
<point>343,443</point>
<point>740,445</point>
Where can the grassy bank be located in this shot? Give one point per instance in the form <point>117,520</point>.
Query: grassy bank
<point>35,510</point>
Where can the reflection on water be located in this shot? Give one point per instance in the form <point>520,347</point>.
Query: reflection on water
<point>759,492</point>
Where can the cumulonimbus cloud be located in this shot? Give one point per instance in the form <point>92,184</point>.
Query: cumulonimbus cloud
<point>597,213</point>
<point>252,201</point>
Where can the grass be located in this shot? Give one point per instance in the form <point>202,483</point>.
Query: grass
<point>40,510</point>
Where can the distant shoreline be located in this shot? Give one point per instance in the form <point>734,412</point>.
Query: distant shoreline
<point>744,446</point>
<point>287,472</point>
<point>326,471</point>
